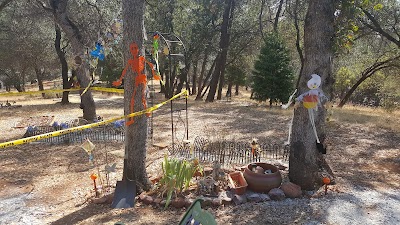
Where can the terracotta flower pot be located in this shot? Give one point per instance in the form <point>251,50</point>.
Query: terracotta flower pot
<point>262,182</point>
<point>238,183</point>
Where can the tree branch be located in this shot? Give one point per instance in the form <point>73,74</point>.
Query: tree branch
<point>376,27</point>
<point>277,16</point>
<point>4,4</point>
<point>260,19</point>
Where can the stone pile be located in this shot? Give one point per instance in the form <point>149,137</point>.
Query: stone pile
<point>227,197</point>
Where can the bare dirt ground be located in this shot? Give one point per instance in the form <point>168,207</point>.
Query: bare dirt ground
<point>48,184</point>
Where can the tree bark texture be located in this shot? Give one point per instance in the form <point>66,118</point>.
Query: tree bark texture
<point>203,69</point>
<point>64,65</point>
<point>194,77</point>
<point>136,134</point>
<point>304,160</point>
<point>39,77</point>
<point>60,14</point>
<point>298,47</point>
<point>223,44</point>
<point>278,14</point>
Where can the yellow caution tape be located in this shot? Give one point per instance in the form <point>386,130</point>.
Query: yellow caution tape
<point>111,90</point>
<point>87,126</point>
<point>38,92</point>
<point>84,91</point>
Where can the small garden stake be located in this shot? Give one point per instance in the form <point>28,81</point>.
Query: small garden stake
<point>93,176</point>
<point>326,181</point>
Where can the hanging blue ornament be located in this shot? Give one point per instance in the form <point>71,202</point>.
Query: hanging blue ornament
<point>98,52</point>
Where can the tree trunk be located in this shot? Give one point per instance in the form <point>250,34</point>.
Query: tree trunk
<point>199,94</point>
<point>223,44</point>
<point>39,77</point>
<point>366,74</point>
<point>194,78</point>
<point>183,79</point>
<point>136,134</point>
<point>237,89</point>
<point>305,160</point>
<point>64,65</point>
<point>278,13</point>
<point>229,91</point>
<point>203,69</point>
<point>73,34</point>
<point>298,48</point>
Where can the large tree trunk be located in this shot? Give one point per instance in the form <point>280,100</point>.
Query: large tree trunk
<point>136,134</point>
<point>223,44</point>
<point>73,34</point>
<point>305,160</point>
<point>64,65</point>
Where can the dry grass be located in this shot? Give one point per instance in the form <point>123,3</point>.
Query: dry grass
<point>364,142</point>
<point>375,117</point>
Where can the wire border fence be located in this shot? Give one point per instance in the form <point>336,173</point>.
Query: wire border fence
<point>228,152</point>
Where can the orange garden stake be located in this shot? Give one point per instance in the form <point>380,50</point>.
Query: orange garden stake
<point>93,176</point>
<point>326,181</point>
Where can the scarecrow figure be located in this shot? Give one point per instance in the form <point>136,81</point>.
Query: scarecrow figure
<point>312,99</point>
<point>137,65</point>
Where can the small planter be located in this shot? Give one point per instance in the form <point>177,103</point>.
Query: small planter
<point>262,182</point>
<point>238,183</point>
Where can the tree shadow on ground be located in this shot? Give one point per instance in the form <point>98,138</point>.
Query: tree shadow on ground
<point>90,215</point>
<point>366,157</point>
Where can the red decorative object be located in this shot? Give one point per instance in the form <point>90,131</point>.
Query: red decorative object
<point>262,182</point>
<point>326,181</point>
<point>238,183</point>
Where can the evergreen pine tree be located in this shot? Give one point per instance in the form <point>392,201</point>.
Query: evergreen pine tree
<point>272,75</point>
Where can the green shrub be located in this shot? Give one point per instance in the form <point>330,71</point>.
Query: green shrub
<point>177,175</point>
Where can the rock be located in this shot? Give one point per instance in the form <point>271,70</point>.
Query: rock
<point>291,190</point>
<point>157,201</point>
<point>207,171</point>
<point>276,194</point>
<point>148,200</point>
<point>239,199</point>
<point>178,203</point>
<point>106,199</point>
<point>188,202</point>
<point>254,197</point>
<point>216,202</point>
<point>259,169</point>
<point>206,201</point>
<point>225,197</point>
<point>265,197</point>
<point>142,196</point>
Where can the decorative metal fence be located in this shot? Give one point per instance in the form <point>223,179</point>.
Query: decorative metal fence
<point>225,152</point>
<point>101,133</point>
<point>229,152</point>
